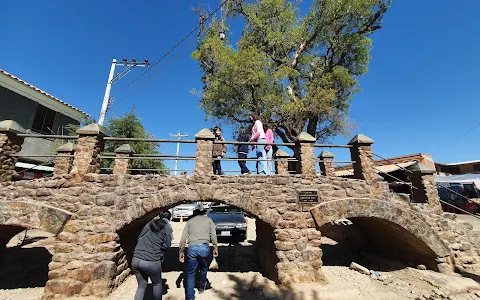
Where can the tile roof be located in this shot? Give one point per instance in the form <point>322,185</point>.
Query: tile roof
<point>379,169</point>
<point>40,91</point>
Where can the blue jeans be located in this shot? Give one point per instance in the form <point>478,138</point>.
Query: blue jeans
<point>197,256</point>
<point>269,156</point>
<point>261,154</point>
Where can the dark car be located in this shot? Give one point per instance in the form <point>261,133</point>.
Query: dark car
<point>229,221</point>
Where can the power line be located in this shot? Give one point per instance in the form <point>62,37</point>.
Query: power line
<point>454,140</point>
<point>144,83</point>
<point>174,47</point>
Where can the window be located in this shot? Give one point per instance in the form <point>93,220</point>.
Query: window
<point>455,170</point>
<point>476,167</point>
<point>44,120</point>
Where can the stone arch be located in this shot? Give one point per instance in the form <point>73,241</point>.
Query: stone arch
<point>392,225</point>
<point>15,216</point>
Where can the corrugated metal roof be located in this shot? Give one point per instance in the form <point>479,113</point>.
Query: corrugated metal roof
<point>379,169</point>
<point>40,91</point>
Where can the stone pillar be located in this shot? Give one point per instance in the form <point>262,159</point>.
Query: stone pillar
<point>63,165</point>
<point>122,163</point>
<point>204,139</point>
<point>326,164</point>
<point>424,188</point>
<point>305,155</point>
<point>281,162</point>
<point>89,146</point>
<point>10,144</point>
<point>361,153</point>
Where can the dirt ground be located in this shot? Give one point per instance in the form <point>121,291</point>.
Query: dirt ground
<point>239,276</point>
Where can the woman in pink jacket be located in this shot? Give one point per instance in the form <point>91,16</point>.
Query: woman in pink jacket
<point>269,137</point>
<point>258,135</point>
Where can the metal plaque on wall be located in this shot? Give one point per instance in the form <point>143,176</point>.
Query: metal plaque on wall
<point>307,196</point>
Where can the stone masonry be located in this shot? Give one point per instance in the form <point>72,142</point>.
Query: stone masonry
<point>122,163</point>
<point>327,167</point>
<point>94,213</point>
<point>89,146</point>
<point>63,161</point>
<point>10,144</point>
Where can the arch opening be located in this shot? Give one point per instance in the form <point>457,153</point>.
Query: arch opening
<point>24,257</point>
<point>249,254</point>
<point>376,243</point>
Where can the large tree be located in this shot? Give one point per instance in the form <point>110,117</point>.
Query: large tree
<point>298,73</point>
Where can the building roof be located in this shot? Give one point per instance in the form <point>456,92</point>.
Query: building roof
<point>379,169</point>
<point>41,91</point>
<point>460,163</point>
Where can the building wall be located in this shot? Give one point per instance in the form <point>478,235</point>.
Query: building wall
<point>16,107</point>
<point>468,168</point>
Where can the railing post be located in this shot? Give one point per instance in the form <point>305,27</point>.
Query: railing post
<point>326,163</point>
<point>364,165</point>
<point>204,139</point>
<point>305,154</point>
<point>63,164</point>
<point>10,144</point>
<point>281,162</point>
<point>122,163</point>
<point>89,146</point>
<point>424,187</point>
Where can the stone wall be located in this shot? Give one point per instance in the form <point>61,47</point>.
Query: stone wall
<point>88,258</point>
<point>9,145</point>
<point>459,236</point>
<point>91,259</point>
<point>87,155</point>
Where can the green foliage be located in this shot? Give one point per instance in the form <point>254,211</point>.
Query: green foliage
<point>129,126</point>
<point>297,72</point>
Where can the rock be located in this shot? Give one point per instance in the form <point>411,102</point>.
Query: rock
<point>359,268</point>
<point>421,267</point>
<point>455,246</point>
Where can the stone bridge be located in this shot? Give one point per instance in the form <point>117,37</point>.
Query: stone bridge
<point>97,217</point>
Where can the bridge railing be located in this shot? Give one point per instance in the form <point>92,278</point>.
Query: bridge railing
<point>85,151</point>
<point>85,155</point>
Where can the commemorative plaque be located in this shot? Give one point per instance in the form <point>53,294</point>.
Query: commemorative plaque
<point>308,196</point>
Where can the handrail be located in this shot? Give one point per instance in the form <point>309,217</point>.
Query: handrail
<point>149,157</point>
<point>40,155</point>
<point>331,146</point>
<point>118,139</point>
<point>53,136</point>
<point>338,162</point>
<point>251,143</point>
<point>108,154</point>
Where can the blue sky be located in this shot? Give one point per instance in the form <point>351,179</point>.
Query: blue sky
<point>421,92</point>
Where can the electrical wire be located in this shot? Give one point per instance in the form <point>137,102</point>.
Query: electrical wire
<point>144,83</point>
<point>173,48</point>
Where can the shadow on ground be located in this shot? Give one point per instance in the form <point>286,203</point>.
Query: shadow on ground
<point>258,288</point>
<point>24,267</point>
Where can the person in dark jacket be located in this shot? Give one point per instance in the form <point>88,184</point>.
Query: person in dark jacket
<point>148,255</point>
<point>219,151</point>
<point>243,152</point>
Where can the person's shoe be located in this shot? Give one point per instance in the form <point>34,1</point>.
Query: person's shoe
<point>207,286</point>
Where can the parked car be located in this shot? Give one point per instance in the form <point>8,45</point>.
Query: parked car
<point>229,222</point>
<point>185,210</point>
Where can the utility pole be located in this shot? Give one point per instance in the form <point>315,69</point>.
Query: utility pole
<point>114,79</point>
<point>178,136</point>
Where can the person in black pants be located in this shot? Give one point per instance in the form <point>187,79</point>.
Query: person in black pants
<point>219,151</point>
<point>153,241</point>
<point>243,153</point>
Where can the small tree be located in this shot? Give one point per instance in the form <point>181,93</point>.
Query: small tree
<point>129,126</point>
<point>297,72</point>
